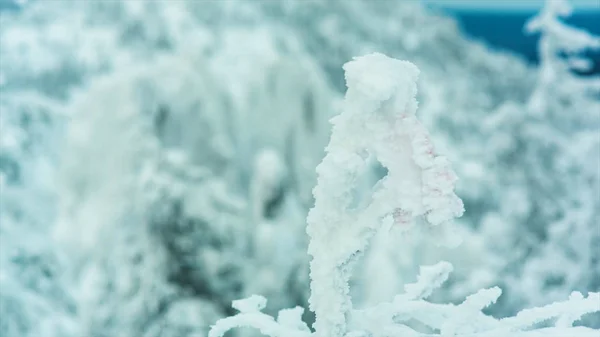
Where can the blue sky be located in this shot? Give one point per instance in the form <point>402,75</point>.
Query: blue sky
<point>509,4</point>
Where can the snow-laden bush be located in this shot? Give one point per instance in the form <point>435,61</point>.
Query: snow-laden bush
<point>378,119</point>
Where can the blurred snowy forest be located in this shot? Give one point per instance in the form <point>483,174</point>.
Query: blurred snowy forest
<point>157,160</point>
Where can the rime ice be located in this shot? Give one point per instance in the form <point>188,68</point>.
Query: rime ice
<point>379,120</point>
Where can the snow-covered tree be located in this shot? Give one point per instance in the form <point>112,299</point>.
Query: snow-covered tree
<point>544,156</point>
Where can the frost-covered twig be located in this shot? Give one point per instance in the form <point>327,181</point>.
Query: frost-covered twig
<point>378,120</point>
<point>288,324</point>
<point>466,319</point>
